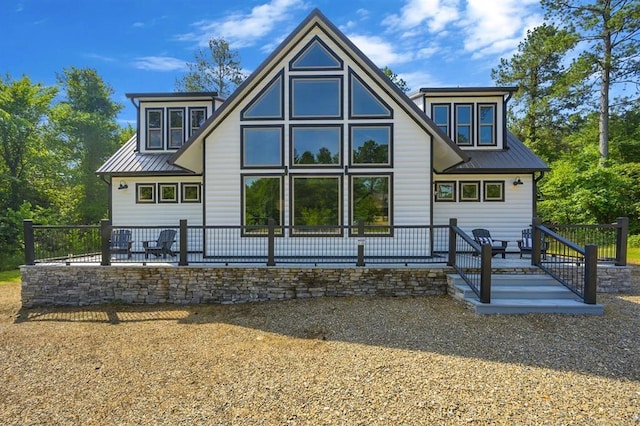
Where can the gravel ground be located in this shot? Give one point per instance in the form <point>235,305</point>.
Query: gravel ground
<point>346,361</point>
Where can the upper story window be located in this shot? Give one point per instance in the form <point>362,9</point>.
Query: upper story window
<point>268,105</point>
<point>464,124</point>
<point>486,124</point>
<point>371,145</point>
<point>440,114</point>
<point>154,128</point>
<point>316,55</point>
<point>197,116</point>
<point>314,145</point>
<point>176,128</point>
<point>364,103</point>
<point>316,98</point>
<point>262,146</point>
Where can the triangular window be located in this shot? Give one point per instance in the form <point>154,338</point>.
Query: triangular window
<point>315,56</point>
<point>268,104</point>
<point>364,103</point>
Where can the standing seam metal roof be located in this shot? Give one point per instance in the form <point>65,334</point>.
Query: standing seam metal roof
<point>128,161</point>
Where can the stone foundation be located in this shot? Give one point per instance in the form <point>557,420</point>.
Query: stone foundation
<point>87,285</point>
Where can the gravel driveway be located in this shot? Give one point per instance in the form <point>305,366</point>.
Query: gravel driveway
<point>346,361</point>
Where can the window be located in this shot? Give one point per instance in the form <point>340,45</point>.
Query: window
<point>154,129</point>
<point>493,190</point>
<point>371,145</point>
<point>486,124</point>
<point>440,114</point>
<point>313,145</point>
<point>268,104</point>
<point>315,56</point>
<point>316,97</point>
<point>262,146</point>
<point>469,191</point>
<point>316,204</point>
<point>370,202</point>
<point>168,192</point>
<point>464,124</point>
<point>445,191</point>
<point>176,127</point>
<point>190,193</point>
<point>262,200</point>
<point>145,193</point>
<point>197,116</point>
<point>364,103</point>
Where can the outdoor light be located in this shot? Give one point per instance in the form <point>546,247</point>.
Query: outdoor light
<point>518,181</point>
<point>123,185</point>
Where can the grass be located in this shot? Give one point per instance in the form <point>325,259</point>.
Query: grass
<point>7,277</point>
<point>633,256</point>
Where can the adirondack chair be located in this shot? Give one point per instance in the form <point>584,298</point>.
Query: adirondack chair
<point>162,246</point>
<point>121,242</point>
<point>483,236</point>
<point>526,244</point>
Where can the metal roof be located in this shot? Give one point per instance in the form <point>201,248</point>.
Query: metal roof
<point>516,158</point>
<point>127,161</point>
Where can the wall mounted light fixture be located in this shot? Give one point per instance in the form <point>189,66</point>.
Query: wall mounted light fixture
<point>123,185</point>
<point>518,181</point>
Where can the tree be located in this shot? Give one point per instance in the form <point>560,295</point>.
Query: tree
<point>86,120</point>
<point>610,47</point>
<point>216,70</point>
<point>395,79</point>
<point>24,107</point>
<point>544,95</point>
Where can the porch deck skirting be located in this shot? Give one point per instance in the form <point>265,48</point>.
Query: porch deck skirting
<point>81,285</point>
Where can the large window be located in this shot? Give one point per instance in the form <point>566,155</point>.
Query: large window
<point>316,204</point>
<point>371,202</point>
<point>314,145</point>
<point>440,114</point>
<point>154,128</point>
<point>464,124</point>
<point>176,127</point>
<point>262,146</point>
<point>316,97</point>
<point>364,103</point>
<point>262,200</point>
<point>486,124</point>
<point>371,145</point>
<point>268,104</point>
<point>316,55</point>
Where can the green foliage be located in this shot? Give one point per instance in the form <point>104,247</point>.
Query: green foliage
<point>395,79</point>
<point>10,276</point>
<point>634,241</point>
<point>216,70</point>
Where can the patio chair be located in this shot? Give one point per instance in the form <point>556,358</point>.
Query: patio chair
<point>483,236</point>
<point>526,244</point>
<point>162,246</point>
<point>121,242</point>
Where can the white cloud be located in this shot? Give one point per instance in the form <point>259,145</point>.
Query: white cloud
<point>159,63</point>
<point>379,51</point>
<point>436,14</point>
<point>418,79</point>
<point>244,29</point>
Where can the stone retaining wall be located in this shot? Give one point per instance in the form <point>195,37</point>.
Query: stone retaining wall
<point>86,285</point>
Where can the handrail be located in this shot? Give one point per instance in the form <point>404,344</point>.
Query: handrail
<point>574,266</point>
<point>473,257</point>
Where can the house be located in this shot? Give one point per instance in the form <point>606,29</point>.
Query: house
<point>318,135</point>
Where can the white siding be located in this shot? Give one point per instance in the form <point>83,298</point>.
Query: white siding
<point>505,219</point>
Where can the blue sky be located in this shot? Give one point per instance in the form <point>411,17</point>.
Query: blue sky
<point>144,45</point>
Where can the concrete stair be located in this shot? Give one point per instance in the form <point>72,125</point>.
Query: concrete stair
<point>523,294</point>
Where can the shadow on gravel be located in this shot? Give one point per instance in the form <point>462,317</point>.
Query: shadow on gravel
<point>597,345</point>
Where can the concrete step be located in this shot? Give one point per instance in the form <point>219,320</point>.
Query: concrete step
<point>522,294</point>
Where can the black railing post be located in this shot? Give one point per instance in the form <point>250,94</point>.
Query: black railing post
<point>183,243</point>
<point>360,261</point>
<point>105,234</point>
<point>271,244</point>
<point>453,223</point>
<point>536,241</point>
<point>485,274</point>
<point>622,229</point>
<point>590,273</point>
<point>29,243</point>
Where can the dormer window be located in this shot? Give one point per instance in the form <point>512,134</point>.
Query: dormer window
<point>197,116</point>
<point>464,124</point>
<point>176,128</point>
<point>440,115</point>
<point>486,124</point>
<point>154,128</point>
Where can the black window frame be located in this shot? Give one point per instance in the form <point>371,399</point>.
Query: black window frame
<point>458,125</point>
<point>260,96</point>
<point>243,165</point>
<point>170,110</point>
<point>353,231</point>
<point>329,77</point>
<point>160,130</point>
<point>353,77</point>
<point>316,40</point>
<point>151,186</point>
<point>293,127</point>
<point>184,186</point>
<point>243,205</point>
<point>440,125</point>
<point>494,124</point>
<point>462,184</point>
<point>192,129</point>
<point>295,232</point>
<point>486,198</point>
<point>436,192</point>
<point>161,186</point>
<point>352,163</point>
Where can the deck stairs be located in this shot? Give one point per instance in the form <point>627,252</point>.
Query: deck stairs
<point>523,294</point>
